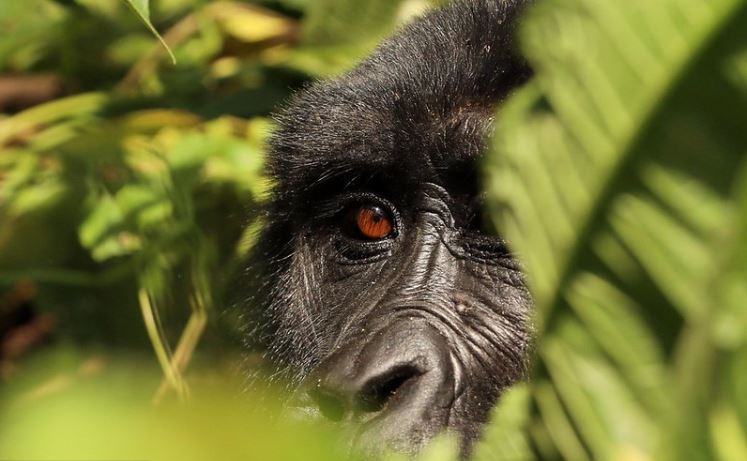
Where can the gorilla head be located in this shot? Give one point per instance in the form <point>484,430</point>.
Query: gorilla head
<point>384,300</point>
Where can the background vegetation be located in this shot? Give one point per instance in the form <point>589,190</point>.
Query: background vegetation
<point>129,190</point>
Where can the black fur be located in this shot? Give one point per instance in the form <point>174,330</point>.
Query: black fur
<point>405,129</point>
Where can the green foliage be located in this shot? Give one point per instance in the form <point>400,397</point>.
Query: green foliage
<point>142,9</point>
<point>337,33</point>
<point>129,196</point>
<point>130,190</point>
<point>138,172</point>
<point>619,176</point>
<point>212,425</point>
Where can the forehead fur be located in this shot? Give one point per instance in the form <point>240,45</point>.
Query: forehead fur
<point>422,101</point>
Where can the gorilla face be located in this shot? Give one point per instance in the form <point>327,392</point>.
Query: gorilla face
<point>385,302</point>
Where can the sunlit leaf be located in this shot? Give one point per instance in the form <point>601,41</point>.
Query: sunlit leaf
<point>82,106</point>
<point>142,9</point>
<point>250,23</point>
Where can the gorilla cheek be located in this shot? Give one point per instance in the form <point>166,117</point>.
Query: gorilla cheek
<point>411,345</point>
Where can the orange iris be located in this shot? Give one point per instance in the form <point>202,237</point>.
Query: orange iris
<point>373,223</point>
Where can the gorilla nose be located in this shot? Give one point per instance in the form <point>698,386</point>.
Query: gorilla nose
<point>401,381</point>
<point>337,400</point>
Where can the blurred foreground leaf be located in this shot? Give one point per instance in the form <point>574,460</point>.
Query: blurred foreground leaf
<point>619,177</point>
<point>94,408</point>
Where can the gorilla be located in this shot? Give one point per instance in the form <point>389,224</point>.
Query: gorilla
<point>384,300</point>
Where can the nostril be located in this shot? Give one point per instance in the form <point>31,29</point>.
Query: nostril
<point>330,404</point>
<point>378,391</point>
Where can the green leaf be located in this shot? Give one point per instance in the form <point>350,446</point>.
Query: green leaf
<point>104,233</point>
<point>142,9</point>
<point>336,34</point>
<point>505,438</point>
<point>616,176</point>
<point>331,22</point>
<point>109,401</point>
<point>83,106</point>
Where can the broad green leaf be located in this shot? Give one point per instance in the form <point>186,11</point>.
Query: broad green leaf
<point>505,438</point>
<point>103,405</point>
<point>142,10</point>
<point>616,177</point>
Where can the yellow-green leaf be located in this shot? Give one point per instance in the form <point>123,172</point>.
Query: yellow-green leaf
<point>142,9</point>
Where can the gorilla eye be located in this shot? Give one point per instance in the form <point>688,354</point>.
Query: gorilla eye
<point>370,222</point>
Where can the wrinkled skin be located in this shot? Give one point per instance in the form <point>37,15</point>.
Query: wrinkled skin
<point>417,331</point>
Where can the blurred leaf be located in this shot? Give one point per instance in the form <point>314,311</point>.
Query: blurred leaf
<point>250,23</point>
<point>616,176</point>
<point>25,27</point>
<point>42,194</point>
<point>336,22</point>
<point>102,406</point>
<point>505,438</point>
<point>80,106</point>
<point>101,231</point>
<point>142,9</point>
<point>336,33</point>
